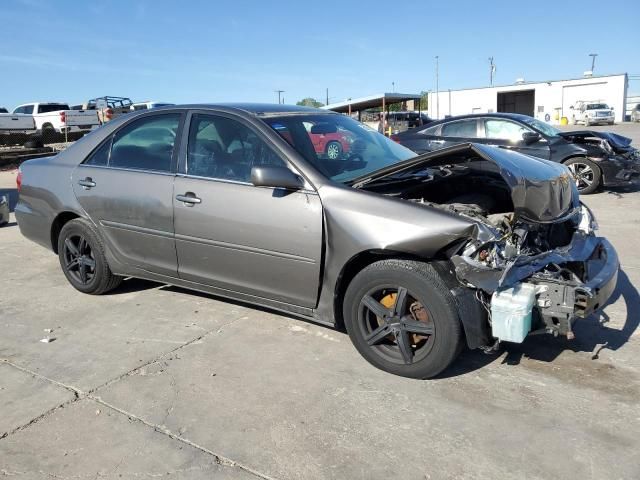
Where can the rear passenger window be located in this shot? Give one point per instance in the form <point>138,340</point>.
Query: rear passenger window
<point>146,144</point>
<point>223,148</point>
<point>100,157</point>
<point>463,128</point>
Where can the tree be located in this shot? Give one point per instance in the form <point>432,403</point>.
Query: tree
<point>424,101</point>
<point>310,102</point>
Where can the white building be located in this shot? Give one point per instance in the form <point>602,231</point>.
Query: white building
<point>548,101</point>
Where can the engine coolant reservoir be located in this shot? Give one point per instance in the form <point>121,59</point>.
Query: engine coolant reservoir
<point>511,312</point>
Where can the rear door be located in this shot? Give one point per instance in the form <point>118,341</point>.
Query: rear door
<point>508,134</point>
<point>264,242</point>
<point>126,188</point>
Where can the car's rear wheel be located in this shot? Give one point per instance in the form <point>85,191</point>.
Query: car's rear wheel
<point>333,150</point>
<point>586,174</point>
<point>82,258</point>
<point>402,318</point>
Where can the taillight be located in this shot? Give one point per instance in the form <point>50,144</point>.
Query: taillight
<point>19,180</point>
<point>63,117</point>
<point>395,138</point>
<point>108,113</point>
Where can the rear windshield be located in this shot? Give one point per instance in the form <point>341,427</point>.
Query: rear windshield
<point>52,107</point>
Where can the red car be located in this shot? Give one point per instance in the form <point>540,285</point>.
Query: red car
<point>329,141</point>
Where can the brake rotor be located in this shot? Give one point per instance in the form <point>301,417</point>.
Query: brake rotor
<point>417,310</point>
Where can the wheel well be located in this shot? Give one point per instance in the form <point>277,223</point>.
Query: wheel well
<point>57,225</point>
<point>356,264</point>
<point>565,160</point>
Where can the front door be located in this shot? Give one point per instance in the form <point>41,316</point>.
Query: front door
<point>232,235</point>
<point>126,188</point>
<point>508,134</point>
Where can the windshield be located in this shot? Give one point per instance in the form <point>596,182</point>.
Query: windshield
<point>545,128</point>
<point>597,106</point>
<point>338,146</point>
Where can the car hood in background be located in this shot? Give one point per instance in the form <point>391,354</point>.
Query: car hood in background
<point>616,141</point>
<point>541,191</point>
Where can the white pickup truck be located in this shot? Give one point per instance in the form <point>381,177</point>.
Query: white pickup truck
<point>15,127</point>
<point>58,117</point>
<point>592,113</point>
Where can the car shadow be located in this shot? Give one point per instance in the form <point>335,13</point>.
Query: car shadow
<point>620,192</point>
<point>12,195</point>
<point>591,335</point>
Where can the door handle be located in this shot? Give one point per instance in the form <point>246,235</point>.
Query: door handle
<point>439,142</point>
<point>87,183</point>
<point>189,199</point>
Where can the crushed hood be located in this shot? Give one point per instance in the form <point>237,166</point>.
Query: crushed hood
<point>616,141</point>
<point>541,191</point>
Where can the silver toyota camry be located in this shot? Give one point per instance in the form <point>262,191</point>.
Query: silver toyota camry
<point>312,213</point>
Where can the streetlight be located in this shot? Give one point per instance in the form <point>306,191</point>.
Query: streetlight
<point>593,60</point>
<point>279,92</point>
<point>437,90</point>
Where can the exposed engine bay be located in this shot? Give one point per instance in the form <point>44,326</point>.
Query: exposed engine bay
<point>534,238</point>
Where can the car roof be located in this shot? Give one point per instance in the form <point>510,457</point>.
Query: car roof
<point>259,109</point>
<point>510,116</point>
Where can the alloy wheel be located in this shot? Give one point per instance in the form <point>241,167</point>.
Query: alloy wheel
<point>582,173</point>
<point>333,151</point>
<point>396,325</point>
<point>79,261</point>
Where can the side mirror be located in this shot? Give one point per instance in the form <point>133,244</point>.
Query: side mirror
<point>531,137</point>
<point>277,177</point>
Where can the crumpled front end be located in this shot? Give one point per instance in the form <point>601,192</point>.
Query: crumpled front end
<point>563,270</point>
<point>533,263</point>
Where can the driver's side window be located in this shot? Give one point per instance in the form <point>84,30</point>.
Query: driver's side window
<point>223,148</point>
<point>504,130</point>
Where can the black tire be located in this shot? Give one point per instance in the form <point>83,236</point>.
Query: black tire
<point>34,142</point>
<point>333,150</point>
<point>586,173</point>
<point>88,257</point>
<point>430,353</point>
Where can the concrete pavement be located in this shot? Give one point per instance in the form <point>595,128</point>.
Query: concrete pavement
<point>158,381</point>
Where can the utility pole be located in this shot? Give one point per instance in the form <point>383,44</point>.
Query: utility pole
<point>279,92</point>
<point>437,90</point>
<point>492,70</point>
<point>327,97</point>
<point>393,87</point>
<point>593,60</point>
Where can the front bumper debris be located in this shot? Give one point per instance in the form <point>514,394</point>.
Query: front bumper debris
<point>559,301</point>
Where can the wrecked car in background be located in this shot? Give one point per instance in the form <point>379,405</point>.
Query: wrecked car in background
<point>595,159</point>
<point>414,255</point>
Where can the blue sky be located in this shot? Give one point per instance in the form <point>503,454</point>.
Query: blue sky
<point>200,51</point>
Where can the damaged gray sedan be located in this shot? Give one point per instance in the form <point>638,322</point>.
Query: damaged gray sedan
<point>414,256</point>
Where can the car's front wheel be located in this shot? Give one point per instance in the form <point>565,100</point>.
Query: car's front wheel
<point>586,174</point>
<point>402,318</point>
<point>333,150</point>
<point>82,258</point>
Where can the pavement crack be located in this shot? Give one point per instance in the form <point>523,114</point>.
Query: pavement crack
<point>213,331</point>
<point>219,459</point>
<point>77,394</point>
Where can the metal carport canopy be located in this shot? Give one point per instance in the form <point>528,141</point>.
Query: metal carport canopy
<point>372,101</point>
